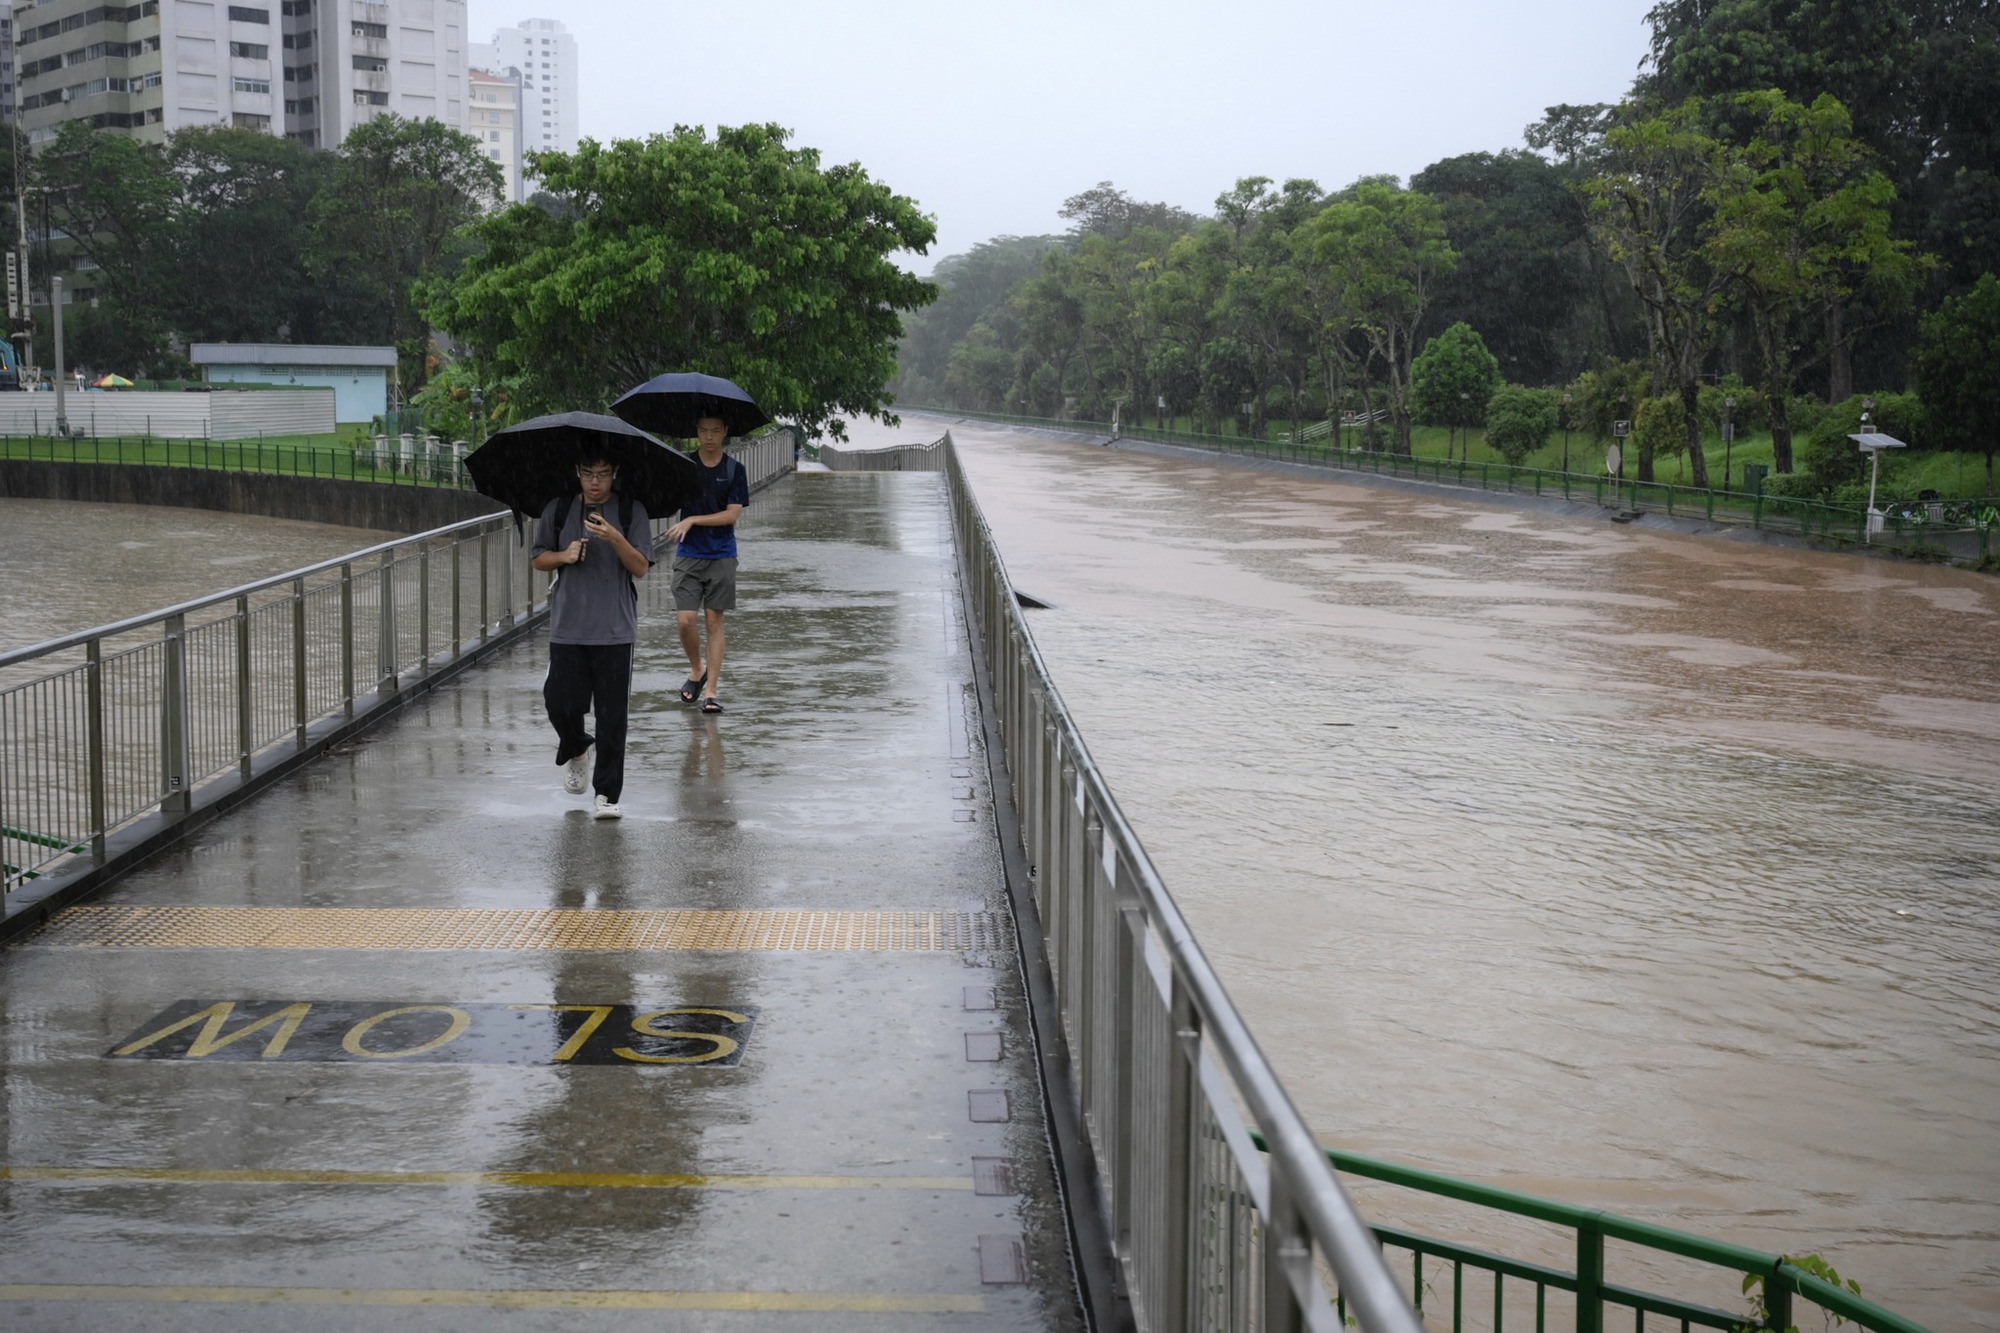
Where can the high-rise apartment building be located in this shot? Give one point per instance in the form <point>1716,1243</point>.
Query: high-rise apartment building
<point>6,62</point>
<point>545,53</point>
<point>493,116</point>
<point>310,69</point>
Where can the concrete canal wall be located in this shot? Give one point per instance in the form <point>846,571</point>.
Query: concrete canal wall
<point>355,504</point>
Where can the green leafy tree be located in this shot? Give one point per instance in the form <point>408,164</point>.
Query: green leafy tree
<point>1175,378</point>
<point>394,216</point>
<point>1453,379</point>
<point>1607,395</point>
<point>1660,429</point>
<point>1801,221</point>
<point>1520,420</point>
<point>1649,204</point>
<point>1525,273</point>
<point>114,198</point>
<point>1390,249</point>
<point>1956,372</point>
<point>1107,211</point>
<point>737,256</point>
<point>239,235</point>
<point>970,287</point>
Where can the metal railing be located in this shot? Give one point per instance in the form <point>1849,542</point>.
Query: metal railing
<point>1209,1232</point>
<point>1512,1290</point>
<point>108,726</point>
<point>1975,540</point>
<point>103,727</point>
<point>403,461</point>
<point>896,458</point>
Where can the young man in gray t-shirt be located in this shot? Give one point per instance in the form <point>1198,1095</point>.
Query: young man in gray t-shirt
<point>593,624</point>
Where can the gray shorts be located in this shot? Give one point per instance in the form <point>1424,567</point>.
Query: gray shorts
<point>704,584</point>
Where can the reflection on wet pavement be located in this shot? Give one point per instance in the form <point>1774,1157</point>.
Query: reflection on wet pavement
<point>1655,872</point>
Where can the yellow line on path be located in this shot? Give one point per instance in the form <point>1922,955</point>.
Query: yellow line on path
<point>504,1179</point>
<point>826,1302</point>
<point>133,926</point>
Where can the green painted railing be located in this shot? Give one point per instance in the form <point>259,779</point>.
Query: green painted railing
<point>353,461</point>
<point>1785,1283</point>
<point>1810,519</point>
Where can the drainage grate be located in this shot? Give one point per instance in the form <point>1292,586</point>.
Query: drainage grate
<point>442,928</point>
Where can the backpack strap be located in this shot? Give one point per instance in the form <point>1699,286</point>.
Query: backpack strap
<point>563,502</point>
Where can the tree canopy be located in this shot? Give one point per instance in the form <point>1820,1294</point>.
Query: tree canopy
<point>736,255</point>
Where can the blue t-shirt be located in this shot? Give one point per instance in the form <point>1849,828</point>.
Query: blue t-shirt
<point>721,486</point>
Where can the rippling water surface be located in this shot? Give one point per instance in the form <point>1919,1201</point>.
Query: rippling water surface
<point>1654,872</point>
<point>68,566</point>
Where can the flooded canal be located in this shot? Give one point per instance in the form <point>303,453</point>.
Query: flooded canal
<point>1657,873</point>
<point>68,566</point>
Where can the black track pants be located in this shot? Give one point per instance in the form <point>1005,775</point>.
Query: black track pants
<point>586,678</point>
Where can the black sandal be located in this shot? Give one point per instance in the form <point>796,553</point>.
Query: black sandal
<point>691,688</point>
<point>711,705</point>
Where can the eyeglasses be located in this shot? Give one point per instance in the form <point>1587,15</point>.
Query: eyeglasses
<point>597,473</point>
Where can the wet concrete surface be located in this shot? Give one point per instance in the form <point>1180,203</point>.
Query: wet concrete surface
<point>1654,872</point>
<point>825,1180</point>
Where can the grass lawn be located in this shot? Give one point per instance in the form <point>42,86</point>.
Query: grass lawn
<point>1953,475</point>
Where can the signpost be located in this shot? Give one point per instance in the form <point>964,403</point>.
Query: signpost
<point>1614,457</point>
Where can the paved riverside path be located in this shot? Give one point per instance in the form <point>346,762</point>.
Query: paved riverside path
<point>412,1042</point>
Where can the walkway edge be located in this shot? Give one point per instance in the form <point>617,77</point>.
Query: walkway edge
<point>31,905</point>
<point>1107,1308</point>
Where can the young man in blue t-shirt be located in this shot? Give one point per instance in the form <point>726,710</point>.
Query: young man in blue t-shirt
<point>705,560</point>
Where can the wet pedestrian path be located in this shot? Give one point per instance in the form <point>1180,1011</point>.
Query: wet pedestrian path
<point>411,1041</point>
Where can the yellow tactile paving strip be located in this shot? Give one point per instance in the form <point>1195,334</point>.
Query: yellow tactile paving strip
<point>115,927</point>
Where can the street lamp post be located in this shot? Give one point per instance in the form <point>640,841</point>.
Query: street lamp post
<point>1728,435</point>
<point>1565,417</point>
<point>56,318</point>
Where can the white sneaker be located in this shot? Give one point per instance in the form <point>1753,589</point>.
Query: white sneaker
<point>576,775</point>
<point>608,809</point>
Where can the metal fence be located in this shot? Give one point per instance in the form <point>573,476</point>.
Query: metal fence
<point>1210,1233</point>
<point>897,458</point>
<point>1969,533</point>
<point>105,726</point>
<point>109,726</point>
<point>1471,1285</point>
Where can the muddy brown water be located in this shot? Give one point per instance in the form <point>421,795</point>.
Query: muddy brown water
<point>1654,872</point>
<point>68,566</point>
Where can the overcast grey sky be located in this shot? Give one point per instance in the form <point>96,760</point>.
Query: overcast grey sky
<point>990,115</point>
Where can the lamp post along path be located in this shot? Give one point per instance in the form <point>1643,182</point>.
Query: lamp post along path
<point>1728,435</point>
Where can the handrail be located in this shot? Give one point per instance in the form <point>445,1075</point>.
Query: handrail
<point>1153,1033</point>
<point>141,621</point>
<point>1650,1235</point>
<point>105,756</point>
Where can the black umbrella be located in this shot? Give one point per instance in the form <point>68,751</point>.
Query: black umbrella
<point>526,466</point>
<point>671,405</point>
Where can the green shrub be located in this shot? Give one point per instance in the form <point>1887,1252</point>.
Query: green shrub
<point>1520,420</point>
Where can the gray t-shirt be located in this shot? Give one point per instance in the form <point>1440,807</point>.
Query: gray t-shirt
<point>595,600</point>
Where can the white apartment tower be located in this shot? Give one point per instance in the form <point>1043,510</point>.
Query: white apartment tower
<point>493,116</point>
<point>310,69</point>
<point>545,53</point>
